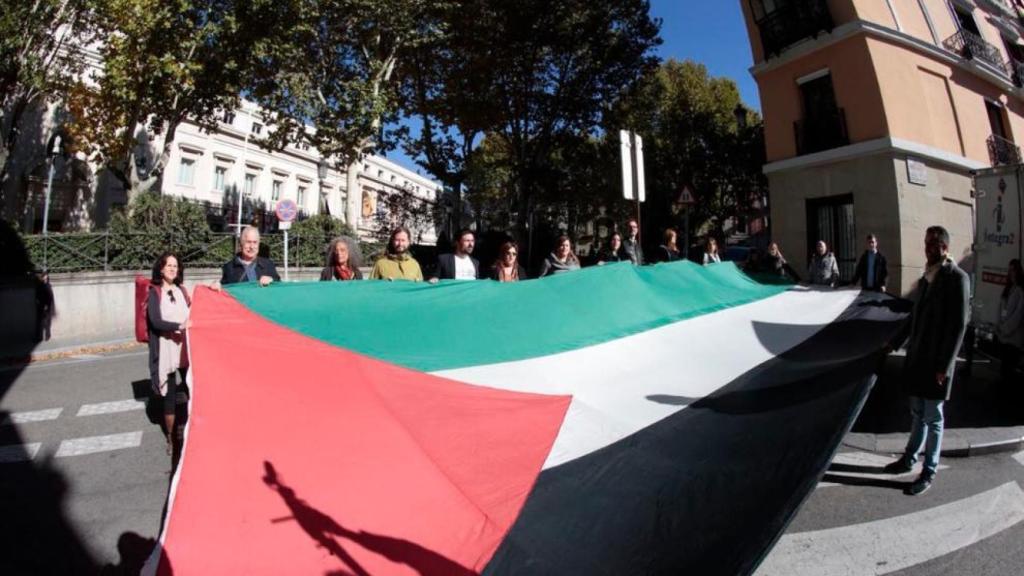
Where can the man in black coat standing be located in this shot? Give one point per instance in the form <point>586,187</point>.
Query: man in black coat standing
<point>937,324</point>
<point>247,265</point>
<point>872,270</point>
<point>461,265</point>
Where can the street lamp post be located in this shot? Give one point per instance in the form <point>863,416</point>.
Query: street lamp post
<point>52,151</point>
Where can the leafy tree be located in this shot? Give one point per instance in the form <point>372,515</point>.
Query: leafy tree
<point>163,63</point>
<point>692,138</point>
<point>310,238</point>
<point>335,75</point>
<point>403,208</point>
<point>155,223</point>
<point>536,74</point>
<point>40,51</point>
<point>450,96</point>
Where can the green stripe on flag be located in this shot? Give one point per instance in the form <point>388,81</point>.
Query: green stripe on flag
<point>457,324</point>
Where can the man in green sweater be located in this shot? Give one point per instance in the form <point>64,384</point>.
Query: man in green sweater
<point>397,263</point>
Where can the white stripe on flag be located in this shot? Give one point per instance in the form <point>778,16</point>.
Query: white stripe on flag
<point>19,452</point>
<point>640,379</point>
<point>111,407</point>
<point>33,416</point>
<point>94,444</point>
<point>885,546</point>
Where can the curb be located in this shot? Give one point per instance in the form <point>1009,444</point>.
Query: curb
<point>985,448</point>
<point>961,449</point>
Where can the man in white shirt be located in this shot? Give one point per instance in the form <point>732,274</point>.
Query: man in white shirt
<point>460,265</point>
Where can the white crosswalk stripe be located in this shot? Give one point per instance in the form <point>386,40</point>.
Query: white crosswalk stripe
<point>867,460</point>
<point>33,416</point>
<point>893,544</point>
<point>19,452</point>
<point>111,407</point>
<point>95,444</point>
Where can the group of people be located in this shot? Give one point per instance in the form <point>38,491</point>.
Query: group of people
<point>939,317</point>
<point>870,273</point>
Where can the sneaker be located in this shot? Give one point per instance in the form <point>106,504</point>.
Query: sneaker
<point>921,485</point>
<point>900,466</point>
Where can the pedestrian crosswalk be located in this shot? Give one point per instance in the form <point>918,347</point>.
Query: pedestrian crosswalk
<point>32,416</point>
<point>111,407</point>
<point>94,444</point>
<point>37,442</point>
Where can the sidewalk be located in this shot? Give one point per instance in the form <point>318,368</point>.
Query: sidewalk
<point>981,417</point>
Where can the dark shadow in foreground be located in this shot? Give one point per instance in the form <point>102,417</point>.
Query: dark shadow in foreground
<point>325,531</point>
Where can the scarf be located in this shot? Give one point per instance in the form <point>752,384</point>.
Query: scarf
<point>342,272</point>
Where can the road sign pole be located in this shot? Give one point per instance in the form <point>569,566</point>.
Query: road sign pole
<point>285,254</point>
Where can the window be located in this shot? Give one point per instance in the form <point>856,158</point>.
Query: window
<point>229,118</point>
<point>250,184</point>
<point>380,174</point>
<point>219,175</point>
<point>257,128</point>
<point>275,192</point>
<point>823,125</point>
<point>995,119</point>
<point>186,171</point>
<point>831,219</point>
<point>965,21</point>
<point>300,197</point>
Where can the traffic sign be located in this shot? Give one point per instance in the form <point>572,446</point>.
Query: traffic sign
<point>686,196</point>
<point>286,210</point>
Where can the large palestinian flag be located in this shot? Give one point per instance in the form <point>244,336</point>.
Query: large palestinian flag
<point>617,420</point>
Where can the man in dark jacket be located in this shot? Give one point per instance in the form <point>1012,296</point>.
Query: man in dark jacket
<point>872,270</point>
<point>937,326</point>
<point>631,243</point>
<point>247,265</point>
<point>461,265</point>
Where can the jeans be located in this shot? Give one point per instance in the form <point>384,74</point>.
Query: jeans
<point>926,429</point>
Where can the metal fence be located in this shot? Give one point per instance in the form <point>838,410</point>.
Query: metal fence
<point>108,251</point>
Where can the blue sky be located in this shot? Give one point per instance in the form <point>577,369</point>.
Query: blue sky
<point>711,32</point>
<point>707,31</point>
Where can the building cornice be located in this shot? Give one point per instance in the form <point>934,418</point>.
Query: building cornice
<point>871,148</point>
<point>858,27</point>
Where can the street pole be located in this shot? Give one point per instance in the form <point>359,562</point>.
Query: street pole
<point>285,254</point>
<point>52,151</point>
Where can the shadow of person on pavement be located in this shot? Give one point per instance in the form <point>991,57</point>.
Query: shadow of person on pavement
<point>135,550</point>
<point>859,481</point>
<point>325,531</point>
<point>36,535</point>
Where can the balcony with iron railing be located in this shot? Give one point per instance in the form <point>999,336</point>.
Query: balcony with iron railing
<point>1002,151</point>
<point>973,47</point>
<point>821,131</point>
<point>792,23</point>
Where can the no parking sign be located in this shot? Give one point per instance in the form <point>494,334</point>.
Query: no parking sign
<point>286,211</point>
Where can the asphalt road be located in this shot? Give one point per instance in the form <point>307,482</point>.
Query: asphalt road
<point>84,477</point>
<point>83,469</point>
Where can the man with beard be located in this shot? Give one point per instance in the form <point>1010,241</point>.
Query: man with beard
<point>460,265</point>
<point>397,263</point>
<point>937,326</point>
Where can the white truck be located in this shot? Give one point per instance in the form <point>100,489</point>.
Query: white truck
<point>997,240</point>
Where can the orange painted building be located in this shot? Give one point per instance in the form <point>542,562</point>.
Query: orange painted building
<point>875,114</point>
